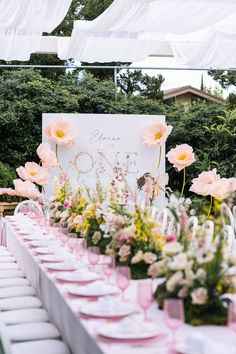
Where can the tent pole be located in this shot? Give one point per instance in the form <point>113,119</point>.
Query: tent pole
<point>115,81</point>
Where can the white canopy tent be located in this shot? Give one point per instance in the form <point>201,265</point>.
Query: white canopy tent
<point>198,33</point>
<point>22,23</point>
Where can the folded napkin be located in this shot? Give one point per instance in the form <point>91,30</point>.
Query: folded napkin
<point>197,343</point>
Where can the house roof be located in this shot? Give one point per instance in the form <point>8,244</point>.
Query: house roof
<point>189,89</point>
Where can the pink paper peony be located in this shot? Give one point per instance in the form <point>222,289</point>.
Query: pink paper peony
<point>47,156</point>
<point>26,189</point>
<point>34,173</point>
<point>61,132</point>
<point>156,134</point>
<point>7,191</point>
<point>202,185</point>
<point>181,156</point>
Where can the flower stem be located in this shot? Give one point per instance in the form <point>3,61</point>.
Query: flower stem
<point>159,159</point>
<point>43,190</point>
<point>184,180</point>
<point>57,152</point>
<point>209,211</point>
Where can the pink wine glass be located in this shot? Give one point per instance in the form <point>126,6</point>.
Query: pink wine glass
<point>93,256</point>
<point>232,316</point>
<point>145,296</point>
<point>72,243</point>
<point>109,266</point>
<point>81,248</point>
<point>174,317</point>
<point>123,275</point>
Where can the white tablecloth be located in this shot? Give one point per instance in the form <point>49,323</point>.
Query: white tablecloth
<point>80,333</point>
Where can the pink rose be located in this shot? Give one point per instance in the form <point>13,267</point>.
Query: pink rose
<point>126,234</point>
<point>181,156</point>
<point>156,134</point>
<point>7,191</point>
<point>61,132</point>
<point>203,183</point>
<point>34,173</point>
<point>149,257</point>
<point>47,156</point>
<point>26,189</point>
<point>66,203</point>
<point>124,252</point>
<point>171,238</point>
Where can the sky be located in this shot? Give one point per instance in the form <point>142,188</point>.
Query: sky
<point>177,78</point>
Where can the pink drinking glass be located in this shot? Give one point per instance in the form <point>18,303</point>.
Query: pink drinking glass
<point>145,296</point>
<point>174,317</point>
<point>72,243</point>
<point>232,316</point>
<point>123,275</point>
<point>93,256</point>
<point>81,248</point>
<point>109,266</point>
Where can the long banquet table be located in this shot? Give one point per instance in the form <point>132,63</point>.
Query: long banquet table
<point>80,332</point>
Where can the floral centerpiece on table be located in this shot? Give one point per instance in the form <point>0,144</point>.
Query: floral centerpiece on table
<point>197,274</point>
<point>136,239</point>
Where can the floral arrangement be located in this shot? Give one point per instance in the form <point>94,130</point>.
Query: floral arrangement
<point>197,274</point>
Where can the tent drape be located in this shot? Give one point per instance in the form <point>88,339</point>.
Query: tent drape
<point>22,23</point>
<point>131,30</point>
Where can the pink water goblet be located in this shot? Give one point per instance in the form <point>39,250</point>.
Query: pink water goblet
<point>174,318</point>
<point>232,316</point>
<point>109,267</point>
<point>145,296</point>
<point>93,256</point>
<point>72,243</point>
<point>81,248</point>
<point>123,275</point>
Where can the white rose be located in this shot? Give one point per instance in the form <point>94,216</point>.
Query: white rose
<point>201,274</point>
<point>179,262</point>
<point>199,296</point>
<point>172,248</point>
<point>149,257</point>
<point>156,269</point>
<point>173,281</point>
<point>138,257</point>
<point>183,292</point>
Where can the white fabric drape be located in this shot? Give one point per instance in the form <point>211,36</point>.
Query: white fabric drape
<point>131,30</point>
<point>22,23</point>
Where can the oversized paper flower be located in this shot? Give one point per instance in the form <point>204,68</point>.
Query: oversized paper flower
<point>7,191</point>
<point>47,156</point>
<point>26,189</point>
<point>61,132</point>
<point>156,134</point>
<point>202,185</point>
<point>222,188</point>
<point>181,156</point>
<point>34,173</point>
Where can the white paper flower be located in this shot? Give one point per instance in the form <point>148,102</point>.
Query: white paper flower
<point>172,248</point>
<point>179,262</point>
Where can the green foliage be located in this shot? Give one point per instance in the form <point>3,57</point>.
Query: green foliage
<point>225,78</point>
<point>7,174</point>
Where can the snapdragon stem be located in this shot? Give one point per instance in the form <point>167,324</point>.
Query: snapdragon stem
<point>184,180</point>
<point>210,207</point>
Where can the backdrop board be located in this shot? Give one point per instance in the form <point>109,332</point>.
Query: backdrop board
<point>104,141</point>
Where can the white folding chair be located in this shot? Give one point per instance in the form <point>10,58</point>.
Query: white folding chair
<point>192,226</point>
<point>28,205</point>
<point>167,220</point>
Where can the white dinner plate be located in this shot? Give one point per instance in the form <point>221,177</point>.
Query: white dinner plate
<point>78,277</point>
<point>24,232</point>
<point>44,250</point>
<point>32,237</point>
<point>93,309</point>
<point>119,331</point>
<point>94,289</point>
<point>66,266</point>
<point>42,243</point>
<point>51,258</point>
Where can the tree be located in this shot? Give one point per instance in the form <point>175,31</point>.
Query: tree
<point>225,78</point>
<point>134,82</point>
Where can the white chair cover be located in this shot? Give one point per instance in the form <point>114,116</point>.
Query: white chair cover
<point>24,316</point>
